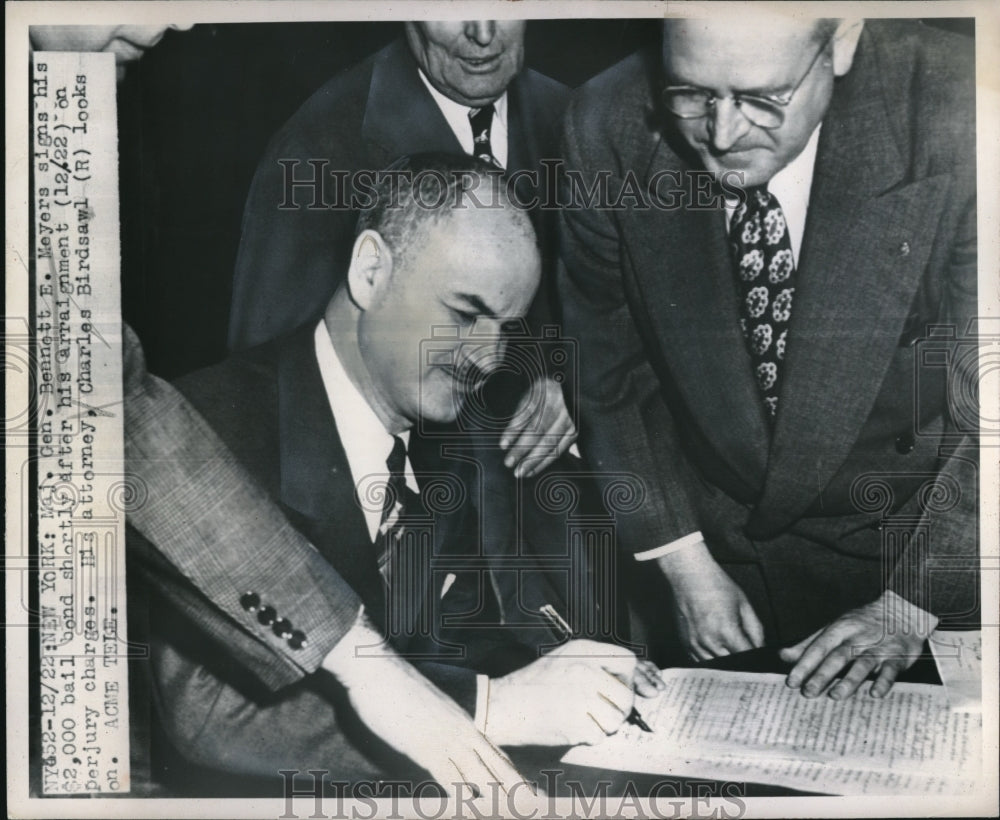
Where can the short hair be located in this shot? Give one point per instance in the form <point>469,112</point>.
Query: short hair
<point>420,190</point>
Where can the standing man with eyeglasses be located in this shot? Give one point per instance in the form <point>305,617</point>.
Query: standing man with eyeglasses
<point>773,334</point>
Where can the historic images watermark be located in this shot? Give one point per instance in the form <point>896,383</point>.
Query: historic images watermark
<point>312,184</point>
<point>665,799</point>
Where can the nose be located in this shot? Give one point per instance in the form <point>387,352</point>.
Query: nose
<point>484,349</point>
<point>726,124</point>
<point>481,32</point>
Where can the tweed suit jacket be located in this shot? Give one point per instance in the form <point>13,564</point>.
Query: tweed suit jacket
<point>869,479</point>
<point>271,411</point>
<point>362,119</point>
<point>187,512</point>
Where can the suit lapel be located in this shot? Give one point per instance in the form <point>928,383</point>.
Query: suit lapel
<point>317,485</point>
<point>523,150</point>
<point>861,262</point>
<point>683,273</point>
<point>446,473</point>
<point>401,117</point>
<point>316,478</point>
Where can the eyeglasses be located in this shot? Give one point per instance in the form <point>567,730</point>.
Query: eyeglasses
<point>689,103</point>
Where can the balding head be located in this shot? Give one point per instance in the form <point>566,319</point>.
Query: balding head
<point>421,190</point>
<point>437,270</point>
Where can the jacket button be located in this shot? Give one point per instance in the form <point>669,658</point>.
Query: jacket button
<point>266,615</point>
<point>904,248</point>
<point>297,639</point>
<point>904,443</point>
<point>282,627</point>
<point>250,601</point>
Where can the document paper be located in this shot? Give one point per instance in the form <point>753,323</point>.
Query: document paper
<point>959,659</point>
<point>752,727</point>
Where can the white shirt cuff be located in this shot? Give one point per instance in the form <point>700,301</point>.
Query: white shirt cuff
<point>673,546</point>
<point>482,702</point>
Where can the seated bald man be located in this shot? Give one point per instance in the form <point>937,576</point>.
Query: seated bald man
<point>452,86</point>
<point>323,420</point>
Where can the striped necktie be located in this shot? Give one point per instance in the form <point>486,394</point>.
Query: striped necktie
<point>400,505</point>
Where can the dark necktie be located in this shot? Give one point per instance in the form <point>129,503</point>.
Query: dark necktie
<point>482,123</point>
<point>765,273</point>
<point>399,507</point>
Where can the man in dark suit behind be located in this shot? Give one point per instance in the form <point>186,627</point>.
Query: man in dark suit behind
<point>427,92</point>
<point>793,391</point>
<point>322,420</point>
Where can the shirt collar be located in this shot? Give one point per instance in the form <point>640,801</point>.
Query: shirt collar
<point>364,438</point>
<point>457,114</point>
<point>792,184</point>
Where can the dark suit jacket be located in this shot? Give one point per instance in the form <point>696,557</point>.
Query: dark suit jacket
<point>362,119</point>
<point>270,409</point>
<point>873,458</point>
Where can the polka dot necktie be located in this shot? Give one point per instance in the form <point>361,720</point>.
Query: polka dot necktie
<point>481,122</point>
<point>765,274</point>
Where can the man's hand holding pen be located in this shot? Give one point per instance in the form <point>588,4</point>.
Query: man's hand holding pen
<point>581,692</point>
<point>646,680</point>
<point>578,693</point>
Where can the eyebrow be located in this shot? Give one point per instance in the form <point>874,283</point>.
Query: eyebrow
<point>759,91</point>
<point>477,304</point>
<point>779,91</point>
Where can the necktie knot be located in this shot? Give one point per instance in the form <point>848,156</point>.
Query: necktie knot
<point>396,462</point>
<point>756,199</point>
<point>397,493</point>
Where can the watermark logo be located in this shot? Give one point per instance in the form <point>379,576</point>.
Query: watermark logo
<point>311,184</point>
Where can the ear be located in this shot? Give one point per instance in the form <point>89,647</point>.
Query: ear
<point>845,43</point>
<point>370,270</point>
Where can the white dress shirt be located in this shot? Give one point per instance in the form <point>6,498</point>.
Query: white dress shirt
<point>364,438</point>
<point>791,186</point>
<point>457,116</point>
<point>367,445</point>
